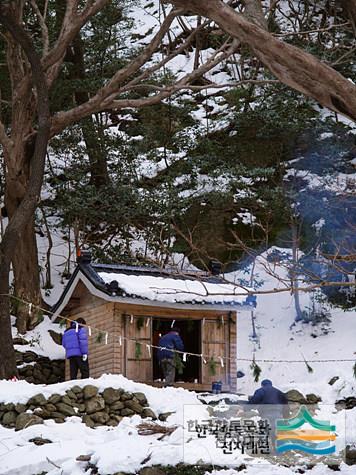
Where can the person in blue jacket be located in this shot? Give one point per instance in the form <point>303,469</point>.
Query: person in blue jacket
<point>268,394</point>
<point>75,342</point>
<point>166,357</point>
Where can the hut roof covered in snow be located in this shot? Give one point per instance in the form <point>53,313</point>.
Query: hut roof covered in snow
<point>118,282</point>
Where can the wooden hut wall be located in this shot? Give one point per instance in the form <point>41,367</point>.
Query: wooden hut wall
<point>99,314</point>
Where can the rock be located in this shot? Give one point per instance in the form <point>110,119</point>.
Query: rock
<point>20,408</point>
<point>9,418</point>
<point>111,395</point>
<point>67,400</point>
<point>50,407</point>
<point>333,380</point>
<point>127,412</point>
<point>59,420</point>
<point>56,337</point>
<point>40,441</point>
<point>83,458</point>
<point>147,412</point>
<point>94,404</point>
<point>141,398</point>
<point>58,370</point>
<point>164,416</point>
<point>134,406</point>
<point>9,407</point>
<point>25,420</point>
<point>57,415</point>
<point>71,394</point>
<point>295,396</point>
<point>350,455</point>
<point>18,357</point>
<point>112,423</point>
<point>151,471</point>
<point>101,417</point>
<point>41,411</point>
<point>19,341</point>
<point>116,417</point>
<point>117,406</point>
<point>90,391</point>
<point>88,421</point>
<point>54,398</point>
<point>126,396</point>
<point>65,409</point>
<point>38,375</point>
<point>347,403</point>
<point>29,356</point>
<point>54,379</point>
<point>37,400</point>
<point>81,407</point>
<point>76,389</point>
<point>46,373</point>
<point>312,398</point>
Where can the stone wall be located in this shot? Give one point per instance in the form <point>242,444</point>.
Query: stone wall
<point>94,408</point>
<point>39,369</point>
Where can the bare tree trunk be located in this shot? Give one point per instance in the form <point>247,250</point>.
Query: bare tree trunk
<point>25,257</point>
<point>7,353</point>
<point>14,232</point>
<point>294,272</point>
<point>48,279</point>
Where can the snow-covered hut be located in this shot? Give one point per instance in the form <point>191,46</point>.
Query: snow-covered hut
<point>128,307</point>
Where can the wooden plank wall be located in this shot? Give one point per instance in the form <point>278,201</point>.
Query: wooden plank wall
<point>217,339</point>
<point>98,313</point>
<point>138,368</point>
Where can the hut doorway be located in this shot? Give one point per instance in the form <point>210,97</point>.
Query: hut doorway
<point>190,332</point>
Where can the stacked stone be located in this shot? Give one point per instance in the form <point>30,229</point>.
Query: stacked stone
<point>107,408</point>
<point>39,369</point>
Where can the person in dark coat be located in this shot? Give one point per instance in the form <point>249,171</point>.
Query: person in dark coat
<point>75,342</point>
<point>166,357</point>
<point>268,394</point>
<point>272,405</point>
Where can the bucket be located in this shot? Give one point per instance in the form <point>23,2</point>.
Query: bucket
<point>216,387</point>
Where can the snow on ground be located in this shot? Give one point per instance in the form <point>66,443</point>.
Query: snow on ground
<point>121,448</point>
<point>40,341</point>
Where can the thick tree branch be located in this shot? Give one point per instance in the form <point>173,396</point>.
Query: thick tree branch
<point>224,52</point>
<point>71,25</point>
<point>43,26</point>
<point>191,87</point>
<point>99,101</point>
<point>291,65</point>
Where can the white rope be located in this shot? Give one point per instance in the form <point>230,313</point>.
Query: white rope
<point>186,353</point>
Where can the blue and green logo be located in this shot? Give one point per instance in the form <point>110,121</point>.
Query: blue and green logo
<point>317,439</point>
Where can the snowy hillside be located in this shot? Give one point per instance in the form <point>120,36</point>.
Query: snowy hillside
<point>281,340</point>
<point>121,449</point>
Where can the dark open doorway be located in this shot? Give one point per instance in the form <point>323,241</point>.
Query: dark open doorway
<point>190,332</point>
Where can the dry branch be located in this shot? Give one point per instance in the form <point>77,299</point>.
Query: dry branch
<point>151,428</point>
